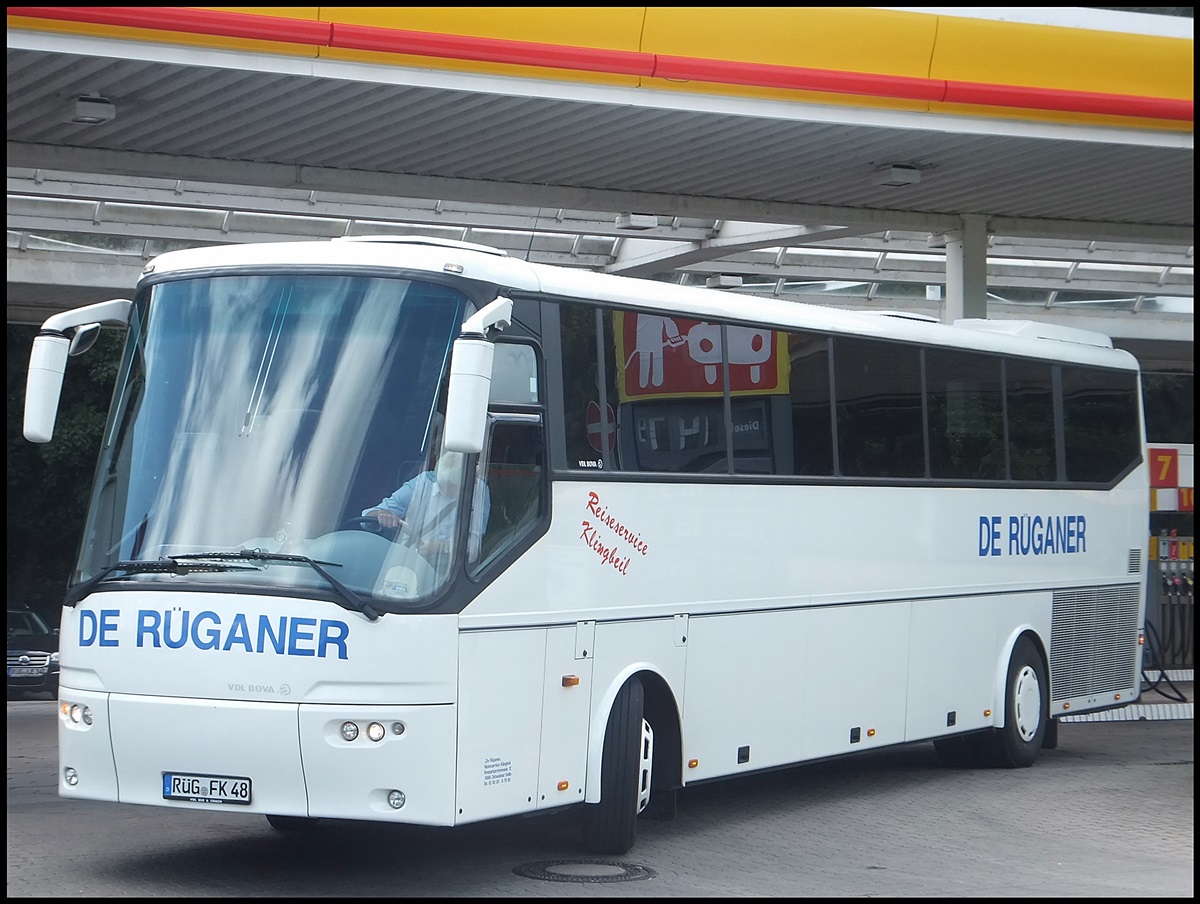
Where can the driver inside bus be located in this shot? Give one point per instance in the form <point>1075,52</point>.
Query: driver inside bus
<point>428,505</point>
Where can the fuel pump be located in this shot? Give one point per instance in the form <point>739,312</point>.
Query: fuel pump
<point>1171,626</point>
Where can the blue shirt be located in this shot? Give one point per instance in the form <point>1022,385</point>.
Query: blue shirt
<point>434,514</point>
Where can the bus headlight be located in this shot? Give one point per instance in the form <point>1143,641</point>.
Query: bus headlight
<point>396,799</point>
<point>75,712</point>
<point>349,731</point>
<point>376,731</point>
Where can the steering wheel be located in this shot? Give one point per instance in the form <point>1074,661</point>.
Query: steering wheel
<point>366,523</point>
<point>372,526</point>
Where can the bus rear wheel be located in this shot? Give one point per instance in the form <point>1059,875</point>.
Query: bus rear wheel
<point>1026,709</point>
<point>610,827</point>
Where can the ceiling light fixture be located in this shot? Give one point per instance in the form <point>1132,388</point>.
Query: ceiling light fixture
<point>636,221</point>
<point>94,110</point>
<point>897,174</point>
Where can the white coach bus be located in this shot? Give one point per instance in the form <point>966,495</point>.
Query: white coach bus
<point>707,534</point>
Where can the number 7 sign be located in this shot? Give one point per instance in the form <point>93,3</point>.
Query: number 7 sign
<point>1164,467</point>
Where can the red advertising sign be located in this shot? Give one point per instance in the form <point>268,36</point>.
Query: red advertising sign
<point>669,357</point>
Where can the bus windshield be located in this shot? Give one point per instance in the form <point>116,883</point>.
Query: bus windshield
<point>270,414</point>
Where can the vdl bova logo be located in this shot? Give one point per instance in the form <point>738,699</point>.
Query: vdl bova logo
<point>177,628</point>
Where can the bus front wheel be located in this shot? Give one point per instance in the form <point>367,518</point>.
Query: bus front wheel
<point>610,827</point>
<point>292,823</point>
<point>961,751</point>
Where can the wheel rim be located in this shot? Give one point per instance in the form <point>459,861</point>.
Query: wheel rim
<point>1027,696</point>
<point>645,765</point>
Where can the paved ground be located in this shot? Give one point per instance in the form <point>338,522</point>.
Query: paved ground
<point>1109,813</point>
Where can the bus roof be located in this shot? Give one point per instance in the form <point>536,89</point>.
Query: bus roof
<point>488,267</point>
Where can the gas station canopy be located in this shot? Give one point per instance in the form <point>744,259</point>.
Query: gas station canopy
<point>817,153</point>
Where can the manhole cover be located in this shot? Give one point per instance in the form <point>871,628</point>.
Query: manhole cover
<point>584,871</point>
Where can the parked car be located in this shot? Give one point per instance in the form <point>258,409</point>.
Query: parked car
<point>32,654</point>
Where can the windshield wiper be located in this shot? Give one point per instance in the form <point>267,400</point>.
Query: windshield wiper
<point>349,598</point>
<point>242,560</point>
<point>167,565</point>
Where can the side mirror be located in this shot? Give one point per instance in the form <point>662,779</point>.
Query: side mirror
<point>47,363</point>
<point>48,359</point>
<point>467,399</point>
<point>471,377</point>
<point>83,340</point>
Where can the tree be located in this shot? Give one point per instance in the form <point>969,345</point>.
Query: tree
<point>49,484</point>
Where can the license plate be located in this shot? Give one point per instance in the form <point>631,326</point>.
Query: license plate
<point>26,671</point>
<point>206,789</point>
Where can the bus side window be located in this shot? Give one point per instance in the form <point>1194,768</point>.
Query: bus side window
<point>1029,397</point>
<point>966,415</point>
<point>513,470</point>
<point>812,425</point>
<point>1100,415</point>
<point>879,408</point>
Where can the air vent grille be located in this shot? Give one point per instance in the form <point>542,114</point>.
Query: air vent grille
<point>1093,641</point>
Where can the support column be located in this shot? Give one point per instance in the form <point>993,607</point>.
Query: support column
<point>966,270</point>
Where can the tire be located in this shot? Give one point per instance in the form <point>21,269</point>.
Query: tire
<point>292,823</point>
<point>610,827</point>
<point>1026,709</point>
<point>961,751</point>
